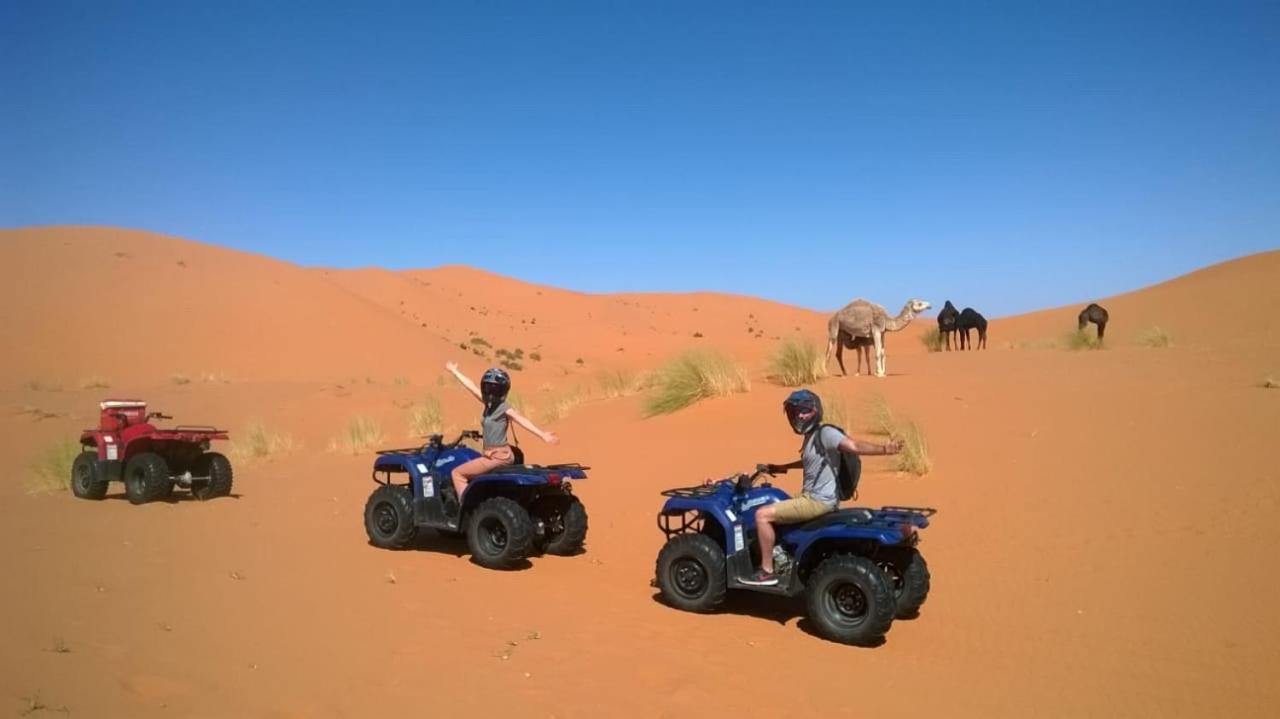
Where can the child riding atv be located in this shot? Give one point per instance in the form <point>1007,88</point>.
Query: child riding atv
<point>820,459</point>
<point>495,423</point>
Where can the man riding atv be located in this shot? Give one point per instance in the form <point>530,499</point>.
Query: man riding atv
<point>820,458</point>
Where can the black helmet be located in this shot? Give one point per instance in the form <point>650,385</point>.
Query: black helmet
<point>804,411</point>
<point>494,385</point>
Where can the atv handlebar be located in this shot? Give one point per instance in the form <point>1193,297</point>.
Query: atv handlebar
<point>157,415</point>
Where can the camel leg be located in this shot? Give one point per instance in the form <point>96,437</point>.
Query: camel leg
<point>878,337</point>
<point>862,353</point>
<point>840,358</point>
<point>982,339</point>
<point>1102,329</point>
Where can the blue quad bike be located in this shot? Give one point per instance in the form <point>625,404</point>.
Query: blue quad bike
<point>858,568</point>
<point>506,514</point>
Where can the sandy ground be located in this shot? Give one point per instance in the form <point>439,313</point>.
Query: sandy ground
<point>1102,546</point>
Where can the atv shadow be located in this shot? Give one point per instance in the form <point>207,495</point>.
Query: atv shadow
<point>759,605</point>
<point>772,607</point>
<point>453,545</point>
<point>175,498</point>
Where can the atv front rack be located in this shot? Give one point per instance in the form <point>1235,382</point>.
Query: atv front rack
<point>701,490</point>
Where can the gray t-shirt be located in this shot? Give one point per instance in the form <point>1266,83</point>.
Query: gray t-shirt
<point>820,467</point>
<point>493,426</point>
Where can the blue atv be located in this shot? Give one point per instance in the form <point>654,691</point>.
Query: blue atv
<point>859,568</point>
<point>506,514</point>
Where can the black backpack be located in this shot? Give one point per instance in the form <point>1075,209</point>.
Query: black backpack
<point>849,471</point>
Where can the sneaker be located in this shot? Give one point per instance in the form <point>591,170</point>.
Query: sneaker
<point>761,579</point>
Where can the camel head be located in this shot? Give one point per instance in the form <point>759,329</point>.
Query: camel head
<point>918,306</point>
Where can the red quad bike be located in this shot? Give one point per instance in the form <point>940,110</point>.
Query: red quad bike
<point>150,461</point>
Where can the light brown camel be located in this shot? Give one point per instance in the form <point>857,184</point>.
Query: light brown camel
<point>863,319</point>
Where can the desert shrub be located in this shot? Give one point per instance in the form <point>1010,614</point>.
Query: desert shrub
<point>1155,337</point>
<point>94,382</point>
<point>480,342</point>
<point>40,386</point>
<point>178,378</point>
<point>932,339</point>
<point>796,362</point>
<point>914,457</point>
<point>694,376</point>
<point>1082,340</point>
<point>1271,383</point>
<point>51,470</point>
<point>535,356</point>
<point>426,418</point>
<point>400,381</point>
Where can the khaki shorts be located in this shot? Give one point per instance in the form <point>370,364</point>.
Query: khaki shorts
<point>798,509</point>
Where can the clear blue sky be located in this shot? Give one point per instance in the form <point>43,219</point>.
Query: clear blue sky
<point>1008,156</point>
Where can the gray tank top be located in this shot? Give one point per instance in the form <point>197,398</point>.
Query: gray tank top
<point>493,426</point>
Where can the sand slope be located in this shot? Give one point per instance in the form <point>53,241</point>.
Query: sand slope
<point>1101,546</point>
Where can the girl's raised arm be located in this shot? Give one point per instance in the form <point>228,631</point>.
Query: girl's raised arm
<point>464,380</point>
<point>548,437</point>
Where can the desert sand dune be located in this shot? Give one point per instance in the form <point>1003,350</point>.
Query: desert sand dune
<point>1101,547</point>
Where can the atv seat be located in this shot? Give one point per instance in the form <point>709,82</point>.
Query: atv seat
<point>855,515</point>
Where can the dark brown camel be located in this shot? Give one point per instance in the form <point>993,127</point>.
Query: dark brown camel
<point>1096,314</point>
<point>969,319</point>
<point>947,318</point>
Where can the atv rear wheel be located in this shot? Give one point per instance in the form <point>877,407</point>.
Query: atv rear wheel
<point>908,577</point>
<point>500,533</point>
<point>850,600</point>
<point>86,477</point>
<point>564,520</point>
<point>691,573</point>
<point>146,478</point>
<point>218,469</point>
<point>388,517</point>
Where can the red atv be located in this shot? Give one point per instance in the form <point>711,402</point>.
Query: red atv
<point>150,461</point>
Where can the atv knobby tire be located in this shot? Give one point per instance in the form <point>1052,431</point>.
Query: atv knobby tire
<point>388,517</point>
<point>850,600</point>
<point>146,478</point>
<point>565,522</point>
<point>691,573</point>
<point>499,533</point>
<point>218,469</point>
<point>908,576</point>
<point>86,476</point>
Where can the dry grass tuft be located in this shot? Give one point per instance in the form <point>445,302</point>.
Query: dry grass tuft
<point>932,339</point>
<point>426,418</point>
<point>1155,337</point>
<point>51,470</point>
<point>1270,383</point>
<point>795,363</point>
<point>179,379</point>
<point>256,442</point>
<point>363,433</point>
<point>618,383</point>
<point>95,382</point>
<point>694,376</point>
<point>1082,340</point>
<point>914,457</point>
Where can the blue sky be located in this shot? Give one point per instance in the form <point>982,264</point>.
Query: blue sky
<point>1008,156</point>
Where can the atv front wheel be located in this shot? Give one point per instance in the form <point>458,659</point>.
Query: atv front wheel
<point>500,533</point>
<point>388,517</point>
<point>146,478</point>
<point>218,469</point>
<point>691,573</point>
<point>565,524</point>
<point>850,600</point>
<point>86,477</point>
<point>908,576</point>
